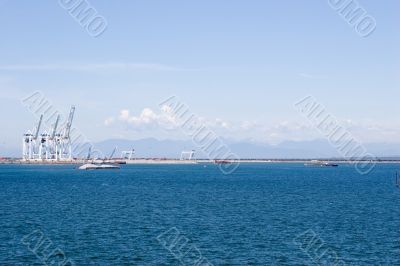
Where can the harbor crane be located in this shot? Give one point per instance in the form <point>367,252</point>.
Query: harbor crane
<point>64,140</point>
<point>30,142</point>
<point>48,144</point>
<point>89,153</point>
<point>187,155</point>
<point>38,127</point>
<point>128,154</point>
<point>53,134</point>
<point>69,123</point>
<point>112,153</point>
<point>55,145</point>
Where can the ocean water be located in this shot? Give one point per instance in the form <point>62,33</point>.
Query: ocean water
<point>262,214</point>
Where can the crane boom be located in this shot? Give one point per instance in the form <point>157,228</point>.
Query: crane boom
<point>113,152</point>
<point>69,122</point>
<point>89,153</point>
<point>55,127</point>
<point>38,127</point>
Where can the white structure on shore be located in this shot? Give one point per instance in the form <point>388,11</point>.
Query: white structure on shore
<point>56,146</point>
<point>187,155</point>
<point>129,155</point>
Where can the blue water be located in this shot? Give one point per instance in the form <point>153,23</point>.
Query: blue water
<point>251,217</point>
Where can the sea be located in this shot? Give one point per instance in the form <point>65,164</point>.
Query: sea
<point>261,214</point>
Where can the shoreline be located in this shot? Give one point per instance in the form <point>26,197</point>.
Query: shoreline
<point>199,161</point>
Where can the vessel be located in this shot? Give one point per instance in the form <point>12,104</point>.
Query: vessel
<point>91,166</point>
<point>321,163</point>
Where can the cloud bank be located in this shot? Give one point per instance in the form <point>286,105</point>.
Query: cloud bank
<point>154,122</point>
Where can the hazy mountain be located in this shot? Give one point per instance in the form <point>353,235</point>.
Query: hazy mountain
<point>244,149</point>
<point>149,147</point>
<point>6,151</point>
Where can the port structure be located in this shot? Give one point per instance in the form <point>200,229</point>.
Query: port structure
<point>129,155</point>
<point>53,146</point>
<point>187,155</point>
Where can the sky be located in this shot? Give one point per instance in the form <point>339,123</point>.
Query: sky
<point>238,65</point>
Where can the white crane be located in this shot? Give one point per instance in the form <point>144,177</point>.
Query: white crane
<point>30,143</point>
<point>128,154</point>
<point>38,126</point>
<point>187,155</point>
<point>112,153</point>
<point>69,123</point>
<point>89,153</point>
<point>50,146</point>
<point>53,134</point>
<point>63,141</point>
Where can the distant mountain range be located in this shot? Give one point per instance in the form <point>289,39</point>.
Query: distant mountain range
<point>153,148</point>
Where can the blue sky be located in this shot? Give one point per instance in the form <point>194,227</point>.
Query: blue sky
<point>240,65</point>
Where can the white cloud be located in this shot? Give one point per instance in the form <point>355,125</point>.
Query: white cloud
<point>159,121</point>
<point>147,119</point>
<point>109,121</point>
<point>124,115</point>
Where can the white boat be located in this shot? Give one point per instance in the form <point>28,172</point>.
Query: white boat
<point>91,166</point>
<point>321,163</point>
